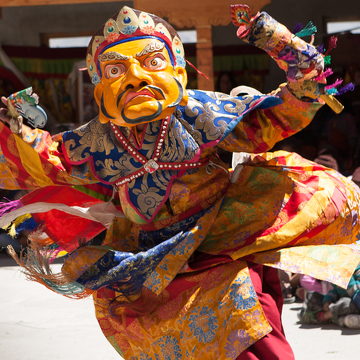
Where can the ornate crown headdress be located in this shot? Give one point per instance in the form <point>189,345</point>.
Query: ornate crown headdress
<point>126,25</point>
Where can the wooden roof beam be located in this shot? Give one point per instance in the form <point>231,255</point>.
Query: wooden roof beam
<point>15,3</point>
<point>197,14</point>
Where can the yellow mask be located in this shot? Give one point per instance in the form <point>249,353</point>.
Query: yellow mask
<point>139,84</point>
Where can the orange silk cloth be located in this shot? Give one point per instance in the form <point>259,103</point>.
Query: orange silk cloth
<point>283,211</point>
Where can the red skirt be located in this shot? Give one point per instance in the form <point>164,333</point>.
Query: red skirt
<point>274,345</point>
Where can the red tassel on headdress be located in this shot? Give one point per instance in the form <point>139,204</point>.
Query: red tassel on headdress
<point>332,45</point>
<point>198,71</point>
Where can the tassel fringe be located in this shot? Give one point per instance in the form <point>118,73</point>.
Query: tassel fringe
<point>331,89</point>
<point>348,87</point>
<point>320,48</point>
<point>309,29</point>
<point>9,206</point>
<point>332,45</point>
<point>327,60</point>
<point>24,222</point>
<point>47,247</point>
<point>12,231</point>
<point>331,92</point>
<point>36,267</point>
<point>335,84</point>
<point>39,238</point>
<point>328,90</point>
<point>325,74</point>
<point>297,28</point>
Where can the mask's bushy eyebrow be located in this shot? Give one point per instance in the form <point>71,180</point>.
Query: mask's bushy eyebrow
<point>112,55</point>
<point>151,47</point>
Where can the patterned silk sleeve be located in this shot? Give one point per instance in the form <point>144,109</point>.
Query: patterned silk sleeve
<point>260,130</point>
<point>36,161</point>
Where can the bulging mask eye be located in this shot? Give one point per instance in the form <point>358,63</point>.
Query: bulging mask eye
<point>113,71</point>
<point>156,62</point>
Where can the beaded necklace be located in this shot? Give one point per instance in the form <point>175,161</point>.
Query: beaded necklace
<point>150,166</point>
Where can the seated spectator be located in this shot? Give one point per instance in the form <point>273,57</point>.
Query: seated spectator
<point>339,306</point>
<point>308,283</point>
<point>225,82</point>
<point>289,282</point>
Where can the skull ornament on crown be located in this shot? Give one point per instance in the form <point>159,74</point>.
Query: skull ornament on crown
<point>136,62</point>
